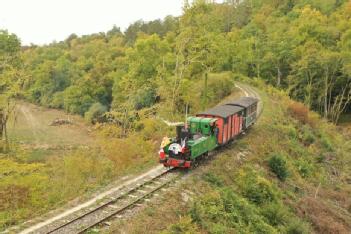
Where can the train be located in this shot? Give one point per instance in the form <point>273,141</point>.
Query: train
<point>207,131</point>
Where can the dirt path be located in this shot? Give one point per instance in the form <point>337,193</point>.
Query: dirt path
<point>30,127</point>
<point>31,120</point>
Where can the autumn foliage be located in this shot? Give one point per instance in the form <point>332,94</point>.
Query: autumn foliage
<point>299,111</point>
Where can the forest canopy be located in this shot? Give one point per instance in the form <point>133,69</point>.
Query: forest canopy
<point>301,46</point>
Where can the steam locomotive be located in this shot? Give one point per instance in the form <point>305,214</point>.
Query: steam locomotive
<point>207,131</point>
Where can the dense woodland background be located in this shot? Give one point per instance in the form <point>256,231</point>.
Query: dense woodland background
<point>125,82</point>
<point>301,46</point>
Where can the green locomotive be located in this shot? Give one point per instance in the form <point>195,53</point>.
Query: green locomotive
<point>207,131</point>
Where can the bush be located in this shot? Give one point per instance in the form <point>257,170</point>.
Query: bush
<point>298,111</point>
<point>76,100</point>
<point>227,212</point>
<point>57,101</point>
<point>304,168</point>
<point>213,179</point>
<point>184,225</point>
<point>144,98</point>
<point>296,226</point>
<point>133,151</point>
<point>289,130</point>
<point>308,136</point>
<point>278,166</point>
<point>275,214</point>
<point>259,190</point>
<point>95,112</point>
<point>151,129</point>
<point>326,143</point>
<point>218,87</point>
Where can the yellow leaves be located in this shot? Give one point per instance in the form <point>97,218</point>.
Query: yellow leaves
<point>10,168</point>
<point>129,152</point>
<point>83,169</point>
<point>312,14</point>
<point>261,17</point>
<point>348,9</point>
<point>184,225</point>
<point>22,186</point>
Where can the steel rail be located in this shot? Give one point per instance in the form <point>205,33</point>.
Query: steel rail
<point>57,229</point>
<point>127,206</point>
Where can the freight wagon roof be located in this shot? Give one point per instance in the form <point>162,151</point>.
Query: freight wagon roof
<point>243,102</point>
<point>222,111</point>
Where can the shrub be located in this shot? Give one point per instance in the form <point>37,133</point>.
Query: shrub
<point>13,196</point>
<point>144,98</point>
<point>82,170</point>
<point>132,151</point>
<point>227,212</point>
<point>278,166</point>
<point>259,190</point>
<point>308,137</point>
<point>276,214</point>
<point>326,142</point>
<point>109,130</point>
<point>77,100</point>
<point>288,130</point>
<point>304,168</point>
<point>213,179</point>
<point>298,111</point>
<point>296,226</point>
<point>151,129</point>
<point>57,100</point>
<point>218,87</point>
<point>184,225</point>
<point>95,112</point>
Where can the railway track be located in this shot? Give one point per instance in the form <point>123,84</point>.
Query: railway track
<point>248,91</point>
<point>108,207</point>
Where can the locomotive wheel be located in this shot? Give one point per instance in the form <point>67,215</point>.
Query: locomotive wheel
<point>195,164</point>
<point>206,156</point>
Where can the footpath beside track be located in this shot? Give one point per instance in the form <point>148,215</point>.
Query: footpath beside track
<point>112,203</point>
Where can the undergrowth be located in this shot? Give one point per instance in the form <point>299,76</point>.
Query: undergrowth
<point>289,174</point>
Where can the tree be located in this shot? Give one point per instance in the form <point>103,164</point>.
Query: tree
<point>9,60</point>
<point>115,31</point>
<point>144,61</point>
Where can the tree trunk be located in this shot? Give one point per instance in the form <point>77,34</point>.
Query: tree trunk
<point>340,103</point>
<point>326,88</point>
<point>279,77</point>
<point>1,126</point>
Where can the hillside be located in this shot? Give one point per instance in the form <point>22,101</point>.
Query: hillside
<point>289,174</point>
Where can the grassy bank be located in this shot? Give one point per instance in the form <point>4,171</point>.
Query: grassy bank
<point>289,174</point>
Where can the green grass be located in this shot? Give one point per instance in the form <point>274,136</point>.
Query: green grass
<point>31,125</point>
<point>345,120</point>
<point>238,192</point>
